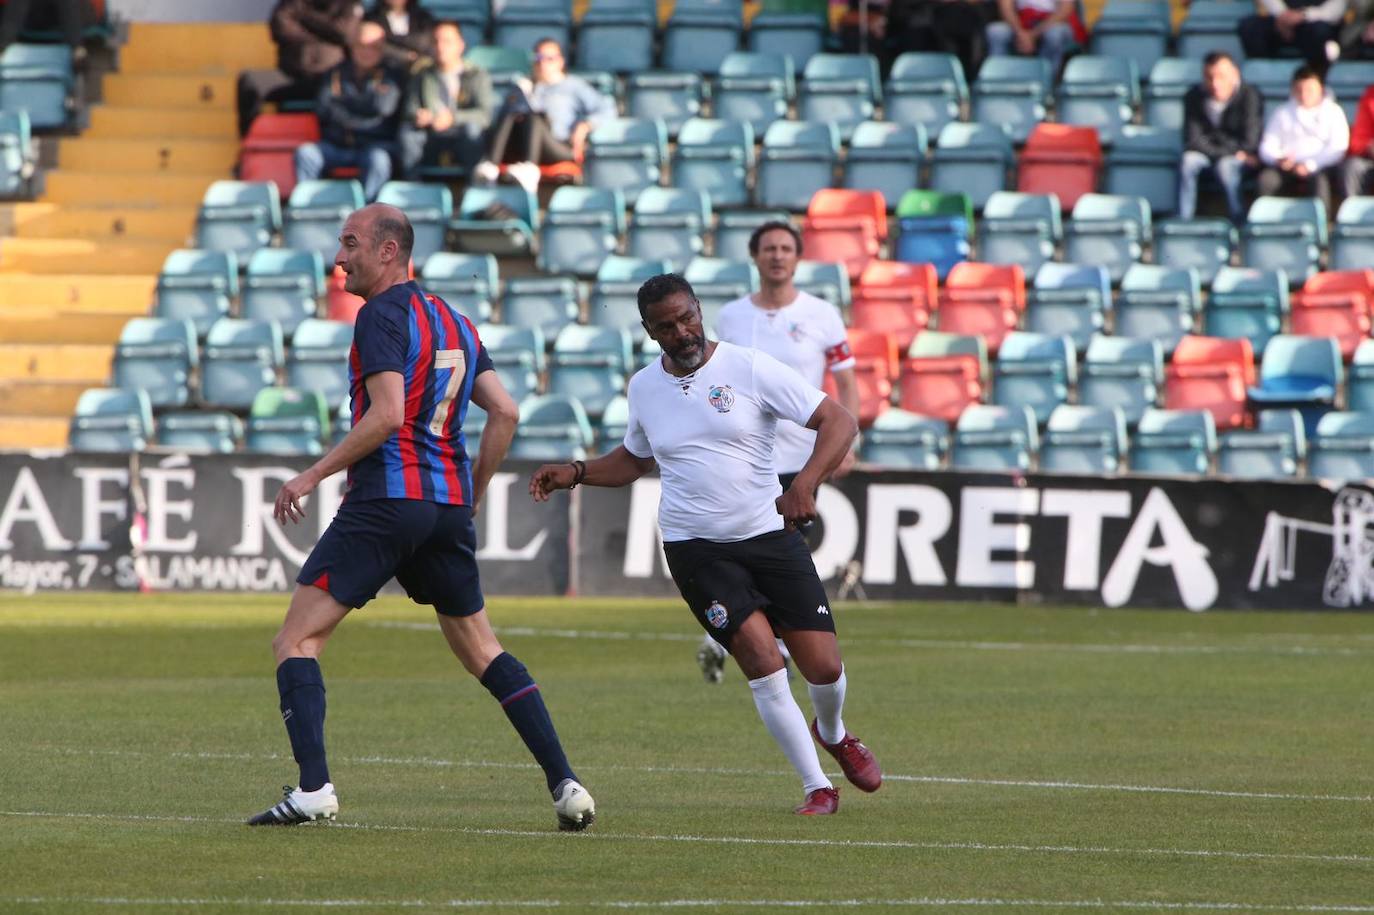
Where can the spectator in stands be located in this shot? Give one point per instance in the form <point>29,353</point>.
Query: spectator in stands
<point>1357,36</point>
<point>409,31</point>
<point>544,122</point>
<point>955,27</point>
<point>65,16</point>
<point>1311,26</point>
<point>1357,171</point>
<point>1221,131</point>
<point>312,38</point>
<point>358,106</point>
<point>1047,27</point>
<point>1304,141</point>
<point>448,107</point>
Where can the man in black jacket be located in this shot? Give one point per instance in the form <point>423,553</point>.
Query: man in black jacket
<point>1221,131</point>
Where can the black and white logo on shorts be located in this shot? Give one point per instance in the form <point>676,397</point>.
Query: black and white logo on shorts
<point>717,615</point>
<point>722,397</point>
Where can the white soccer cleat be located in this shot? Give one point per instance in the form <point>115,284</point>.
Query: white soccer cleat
<point>297,806</point>
<point>711,659</point>
<point>574,806</point>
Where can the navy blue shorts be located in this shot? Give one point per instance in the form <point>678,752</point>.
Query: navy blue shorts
<point>430,548</point>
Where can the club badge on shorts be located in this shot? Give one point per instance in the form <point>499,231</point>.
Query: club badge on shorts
<point>722,397</point>
<point>716,614</point>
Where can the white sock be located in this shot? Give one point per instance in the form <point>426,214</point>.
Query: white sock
<point>785,721</point>
<point>828,701</point>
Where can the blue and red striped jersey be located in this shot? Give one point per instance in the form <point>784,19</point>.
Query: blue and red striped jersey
<point>438,354</point>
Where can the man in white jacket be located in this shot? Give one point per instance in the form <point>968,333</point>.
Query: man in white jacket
<point>1304,142</point>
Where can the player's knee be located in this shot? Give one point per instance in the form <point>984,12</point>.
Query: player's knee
<point>823,673</point>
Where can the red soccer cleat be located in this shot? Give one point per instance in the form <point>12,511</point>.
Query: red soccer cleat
<point>855,759</point>
<point>821,802</point>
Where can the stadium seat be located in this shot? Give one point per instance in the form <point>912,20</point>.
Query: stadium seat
<point>717,281</point>
<point>754,89</point>
<point>649,353</point>
<point>614,296</point>
<point>1205,245</point>
<point>828,281</point>
<point>669,224</point>
<point>672,98</point>
<point>1271,451</point>
<point>316,212</point>
<point>895,298</point>
<point>582,226</point>
<point>844,226</point>
<point>701,34</point>
<point>1069,300</point>
<point>617,35</point>
<point>239,359</point>
<point>943,374</point>
<point>795,34</point>
<point>17,160</point>
<point>843,89</point>
<point>1136,30</point>
<point>1284,233</point>
<point>1034,370</point>
<point>197,286</point>
<point>972,159</point>
<point>1083,440</point>
<point>1019,229</point>
<point>994,438</point>
<point>282,285</point>
<point>1211,25</point>
<point>1359,391</point>
<point>615,420</point>
<point>1352,237</point>
<point>935,228</point>
<point>318,358</point>
<point>552,427</point>
<point>157,355</point>
<point>545,302</point>
<point>500,219</point>
<point>39,79</point>
<point>715,158</point>
<point>590,364</point>
<point>117,420</point>
<point>429,207</point>
<point>200,431</point>
<point>287,421</point>
<point>468,282</point>
<point>735,228</point>
<point>1099,92</point>
<point>797,160</point>
<point>1110,230</point>
<point>875,369</point>
<point>1061,159</point>
<point>925,89</point>
<point>626,154</point>
<point>1212,374</point>
<point>1273,79</point>
<point>517,355</point>
<point>1122,373</point>
<point>238,216</point>
<point>1158,303</point>
<point>1012,92</point>
<point>885,157</point>
<point>268,151</point>
<point>902,440</point>
<point>521,23</point>
<point>983,299</point>
<point>1347,80</point>
<point>1144,162</point>
<point>504,65</point>
<point>1174,442</point>
<point>1170,80</point>
<point>1300,372</point>
<point>1342,448</point>
<point>1246,303</point>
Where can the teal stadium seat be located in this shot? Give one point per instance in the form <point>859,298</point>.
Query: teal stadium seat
<point>1352,237</point>
<point>1158,303</point>
<point>468,282</point>
<point>520,23</point>
<point>971,159</point>
<point>1342,448</point>
<point>200,431</point>
<point>282,285</point>
<point>1359,389</point>
<point>798,159</point>
<point>1170,80</point>
<point>239,359</point>
<point>1034,370</point>
<point>1272,451</point>
<point>824,280</point>
<point>1122,373</point>
<point>315,214</point>
<point>926,89</point>
<point>1174,442</point>
<point>614,299</point>
<point>672,98</point>
<point>1069,300</point>
<point>885,157</point>
<point>989,438</point>
<point>701,34</point>
<point>1304,373</point>
<point>429,207</point>
<point>900,440</point>
<point>1247,303</point>
<point>553,427</point>
<point>238,216</point>
<point>1204,245</point>
<point>1273,79</point>
<point>843,89</point>
<point>715,157</point>
<point>1012,93</point>
<point>717,281</point>
<point>545,302</point>
<point>1211,25</point>
<point>590,364</point>
<point>734,228</point>
<point>1083,440</point>
<point>157,355</point>
<point>501,219</point>
<point>669,224</point>
<point>1020,229</point>
<point>796,35</point>
<point>318,358</point>
<point>504,65</point>
<point>17,163</point>
<point>1100,92</point>
<point>626,154</point>
<point>1136,30</point>
<point>517,355</point>
<point>39,79</point>
<point>754,88</point>
<point>1144,162</point>
<point>197,286</point>
<point>615,420</point>
<point>581,227</point>
<point>1285,233</point>
<point>115,420</point>
<point>1108,229</point>
<point>617,35</point>
<point>287,421</point>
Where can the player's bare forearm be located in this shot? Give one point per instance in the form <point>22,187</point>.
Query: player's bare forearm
<point>835,430</point>
<point>363,439</point>
<point>619,468</point>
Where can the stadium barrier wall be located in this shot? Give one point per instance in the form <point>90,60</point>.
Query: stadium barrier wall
<point>203,522</point>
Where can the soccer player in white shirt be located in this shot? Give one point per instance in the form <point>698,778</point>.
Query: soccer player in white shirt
<point>706,413</point>
<point>797,329</point>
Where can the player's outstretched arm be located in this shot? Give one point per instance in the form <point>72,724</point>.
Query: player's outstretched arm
<point>835,430</point>
<point>502,417</point>
<point>619,468</point>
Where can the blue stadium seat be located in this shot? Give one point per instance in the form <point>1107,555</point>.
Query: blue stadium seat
<point>1170,80</point>
<point>1205,245</point>
<point>797,35</point>
<point>1300,372</point>
<point>287,421</point>
<point>1122,373</point>
<point>1270,452</point>
<point>1158,303</point>
<point>925,89</point>
<point>1347,80</point>
<point>734,229</point>
<point>17,161</point>
<point>1012,93</point>
<point>468,282</point>
<point>994,438</point>
<point>754,88</point>
<point>318,358</point>
<point>1136,30</point>
<point>545,302</point>
<point>282,285</point>
<point>158,356</point>
<point>1285,233</point>
<point>501,219</point>
<point>669,224</point>
<point>239,359</point>
<point>238,216</point>
<point>520,23</point>
<point>115,420</point>
<point>971,159</point>
<point>1100,92</point>
<point>1246,303</point>
<point>553,427</point>
<point>200,431</point>
<point>1108,229</point>
<point>474,16</point>
<point>824,280</point>
<point>582,226</point>
<point>1342,448</point>
<point>1070,300</point>
<point>197,286</point>
<point>798,159</point>
<point>935,229</point>
<point>613,301</point>
<point>1019,229</point>
<point>672,98</point>
<point>717,281</point>
<point>1352,237</point>
<point>1086,440</point>
<point>1359,388</point>
<point>316,212</point>
<point>517,354</point>
<point>429,207</point>
<point>626,154</point>
<point>715,157</point>
<point>701,33</point>
<point>1174,442</point>
<point>899,440</point>
<point>1273,79</point>
<point>841,88</point>
<point>504,65</point>
<point>1211,25</point>
<point>617,35</point>
<point>590,364</point>
<point>885,157</point>
<point>1034,370</point>
<point>39,78</point>
<point>615,420</point>
<point>1144,162</point>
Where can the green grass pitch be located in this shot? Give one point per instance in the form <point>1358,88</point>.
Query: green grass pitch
<point>1038,760</point>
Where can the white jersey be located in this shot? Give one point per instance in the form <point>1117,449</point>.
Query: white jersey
<point>808,334</point>
<point>711,433</point>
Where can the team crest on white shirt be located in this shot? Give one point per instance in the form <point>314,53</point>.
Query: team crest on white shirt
<point>796,332</point>
<point>717,615</point>
<point>722,397</point>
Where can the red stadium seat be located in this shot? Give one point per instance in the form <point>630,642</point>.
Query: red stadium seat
<point>268,152</point>
<point>983,300</point>
<point>1060,159</point>
<point>875,348</point>
<point>844,226</point>
<point>1212,374</point>
<point>875,390</point>
<point>342,305</point>
<point>1336,304</point>
<point>894,297</point>
<point>940,386</point>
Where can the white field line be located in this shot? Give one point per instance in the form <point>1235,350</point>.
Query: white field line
<point>432,762</point>
<point>746,840</point>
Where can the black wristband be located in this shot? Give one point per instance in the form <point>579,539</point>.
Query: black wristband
<point>579,472</point>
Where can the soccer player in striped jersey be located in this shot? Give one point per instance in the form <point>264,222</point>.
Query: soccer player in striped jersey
<point>407,512</point>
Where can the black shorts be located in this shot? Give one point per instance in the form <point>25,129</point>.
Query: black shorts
<point>431,549</point>
<point>724,583</point>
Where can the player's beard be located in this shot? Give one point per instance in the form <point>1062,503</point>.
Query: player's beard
<point>689,354</point>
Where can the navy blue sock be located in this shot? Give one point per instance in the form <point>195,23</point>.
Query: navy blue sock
<point>511,685</point>
<point>302,709</point>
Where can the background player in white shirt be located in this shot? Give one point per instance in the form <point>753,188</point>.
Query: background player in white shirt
<point>802,331</point>
<point>706,413</point>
